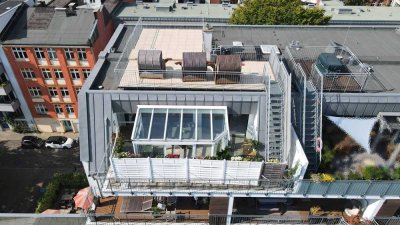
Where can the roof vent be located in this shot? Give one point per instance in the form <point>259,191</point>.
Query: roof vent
<point>100,87</point>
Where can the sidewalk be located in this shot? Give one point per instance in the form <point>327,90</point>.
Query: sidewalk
<point>12,136</point>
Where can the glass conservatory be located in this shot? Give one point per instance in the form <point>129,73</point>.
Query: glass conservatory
<point>180,131</point>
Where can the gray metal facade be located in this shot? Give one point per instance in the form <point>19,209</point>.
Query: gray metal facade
<point>97,126</point>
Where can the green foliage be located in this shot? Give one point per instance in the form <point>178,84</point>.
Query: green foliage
<point>18,127</point>
<point>59,181</point>
<point>119,144</point>
<point>356,2</point>
<point>224,154</point>
<point>396,174</point>
<point>328,154</point>
<point>292,171</point>
<point>375,173</point>
<point>277,12</point>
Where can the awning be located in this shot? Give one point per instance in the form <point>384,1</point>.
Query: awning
<point>84,198</point>
<point>358,128</point>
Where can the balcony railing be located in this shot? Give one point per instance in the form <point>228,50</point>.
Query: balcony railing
<point>9,106</point>
<point>250,187</point>
<point>185,218</point>
<point>5,87</point>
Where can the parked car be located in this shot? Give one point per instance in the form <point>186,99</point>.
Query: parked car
<point>31,142</point>
<point>59,142</point>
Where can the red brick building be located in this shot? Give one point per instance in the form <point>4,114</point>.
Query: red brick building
<point>51,53</point>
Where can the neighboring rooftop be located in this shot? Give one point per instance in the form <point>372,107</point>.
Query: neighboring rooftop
<point>181,10</point>
<point>363,13</point>
<point>218,13</point>
<point>47,26</point>
<point>7,5</point>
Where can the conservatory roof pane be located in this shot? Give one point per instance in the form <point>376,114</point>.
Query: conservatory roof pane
<point>174,124</point>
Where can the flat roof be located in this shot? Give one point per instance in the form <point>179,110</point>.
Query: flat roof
<point>379,47</point>
<point>364,13</point>
<point>181,10</point>
<point>59,28</point>
<point>172,43</point>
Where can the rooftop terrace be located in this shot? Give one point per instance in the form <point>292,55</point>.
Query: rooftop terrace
<point>254,71</point>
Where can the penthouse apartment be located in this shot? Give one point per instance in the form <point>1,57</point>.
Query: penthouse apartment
<point>204,125</point>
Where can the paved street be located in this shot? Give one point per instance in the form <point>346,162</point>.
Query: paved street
<point>23,172</point>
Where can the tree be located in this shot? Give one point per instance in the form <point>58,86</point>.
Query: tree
<point>276,12</point>
<point>355,2</point>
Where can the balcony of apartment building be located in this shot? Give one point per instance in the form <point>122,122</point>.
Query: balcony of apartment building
<point>216,211</point>
<point>189,147</point>
<point>8,103</point>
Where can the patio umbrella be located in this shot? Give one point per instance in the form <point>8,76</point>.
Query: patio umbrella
<point>84,198</point>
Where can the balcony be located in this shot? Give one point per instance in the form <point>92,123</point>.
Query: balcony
<point>5,88</point>
<point>9,106</point>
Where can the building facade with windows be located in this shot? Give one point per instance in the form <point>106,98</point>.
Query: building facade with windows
<point>51,59</point>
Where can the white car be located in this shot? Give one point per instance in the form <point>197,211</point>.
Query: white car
<point>59,142</point>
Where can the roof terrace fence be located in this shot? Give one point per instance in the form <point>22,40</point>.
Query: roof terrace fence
<point>130,44</point>
<point>173,79</point>
<point>352,80</point>
<point>247,53</point>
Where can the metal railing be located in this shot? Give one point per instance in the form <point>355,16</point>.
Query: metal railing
<point>247,52</point>
<point>339,189</point>
<point>31,218</point>
<point>245,186</point>
<point>130,44</point>
<point>172,79</point>
<point>354,79</point>
<point>212,219</point>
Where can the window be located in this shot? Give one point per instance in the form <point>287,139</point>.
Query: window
<point>53,91</point>
<point>77,90</point>
<point>82,54</point>
<point>64,92</point>
<point>86,73</point>
<point>69,53</point>
<point>75,74</point>
<point>27,73</point>
<point>46,74</point>
<point>70,109</point>
<point>39,53</point>
<point>58,73</point>
<point>52,53</point>
<point>19,53</point>
<point>41,109</point>
<point>58,109</point>
<point>35,91</point>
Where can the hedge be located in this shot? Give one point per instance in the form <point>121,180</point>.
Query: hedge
<point>75,180</point>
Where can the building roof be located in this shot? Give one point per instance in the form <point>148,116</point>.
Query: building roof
<point>7,5</point>
<point>378,47</point>
<point>354,15</point>
<point>364,13</point>
<point>181,10</point>
<point>51,28</point>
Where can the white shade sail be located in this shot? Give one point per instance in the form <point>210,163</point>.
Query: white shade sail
<point>358,128</point>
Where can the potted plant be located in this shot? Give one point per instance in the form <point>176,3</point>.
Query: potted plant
<point>315,211</point>
<point>156,212</point>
